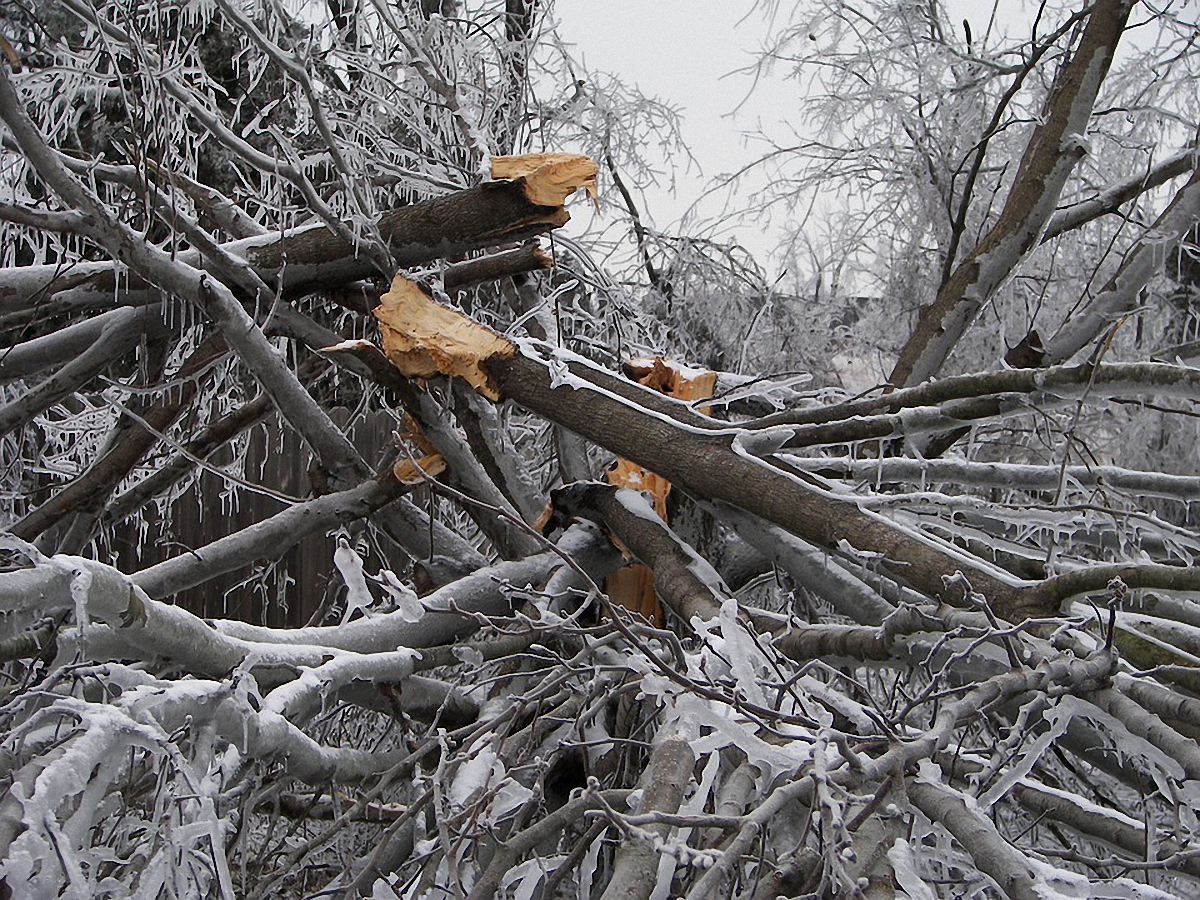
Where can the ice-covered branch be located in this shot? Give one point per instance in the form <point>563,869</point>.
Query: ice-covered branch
<point>1014,476</point>
<point>268,539</point>
<point>1003,862</point>
<point>1120,296</point>
<point>636,867</point>
<point>1112,198</point>
<point>117,336</point>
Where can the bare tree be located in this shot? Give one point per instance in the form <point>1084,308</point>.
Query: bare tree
<point>291,331</point>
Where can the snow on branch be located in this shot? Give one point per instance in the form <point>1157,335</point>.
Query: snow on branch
<point>488,596</point>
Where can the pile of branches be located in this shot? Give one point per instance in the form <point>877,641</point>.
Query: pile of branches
<point>863,672</point>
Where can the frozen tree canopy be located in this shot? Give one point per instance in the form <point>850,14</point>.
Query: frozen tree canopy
<point>370,531</point>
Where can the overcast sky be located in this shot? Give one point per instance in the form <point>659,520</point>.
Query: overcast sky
<point>683,52</point>
<point>688,53</point>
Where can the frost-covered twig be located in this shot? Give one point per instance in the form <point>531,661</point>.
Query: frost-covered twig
<point>119,334</point>
<point>1013,476</point>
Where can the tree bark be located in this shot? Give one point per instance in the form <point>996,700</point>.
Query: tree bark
<point>715,463</point>
<point>663,784</point>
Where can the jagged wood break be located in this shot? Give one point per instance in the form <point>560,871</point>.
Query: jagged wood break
<point>633,586</point>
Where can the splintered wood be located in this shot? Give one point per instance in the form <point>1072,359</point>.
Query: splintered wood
<point>423,338</point>
<point>550,178</point>
<point>633,585</point>
<point>416,470</point>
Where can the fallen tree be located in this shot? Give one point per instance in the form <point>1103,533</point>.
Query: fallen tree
<point>492,594</point>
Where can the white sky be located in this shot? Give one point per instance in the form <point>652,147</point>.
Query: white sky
<point>688,53</point>
<point>682,52</point>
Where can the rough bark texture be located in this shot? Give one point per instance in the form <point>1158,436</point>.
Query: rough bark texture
<point>223,597</point>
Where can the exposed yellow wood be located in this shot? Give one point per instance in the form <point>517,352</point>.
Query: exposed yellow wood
<point>414,471</point>
<point>423,338</point>
<point>633,585</point>
<point>624,473</point>
<point>550,178</point>
<point>676,381</point>
<point>412,432</point>
<point>672,379</point>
